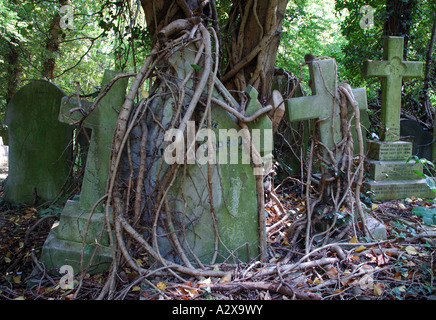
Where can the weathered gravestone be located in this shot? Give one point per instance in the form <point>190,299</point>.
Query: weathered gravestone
<point>64,244</point>
<point>392,177</point>
<point>40,146</point>
<point>233,182</point>
<point>323,104</point>
<point>421,138</point>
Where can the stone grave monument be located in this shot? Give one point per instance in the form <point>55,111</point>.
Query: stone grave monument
<point>392,176</point>
<point>233,184</point>
<point>323,103</point>
<point>40,148</point>
<point>64,243</point>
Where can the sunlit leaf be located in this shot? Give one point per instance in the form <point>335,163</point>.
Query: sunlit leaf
<point>411,250</point>
<point>196,67</point>
<point>378,289</point>
<point>161,285</point>
<point>226,278</point>
<point>360,248</point>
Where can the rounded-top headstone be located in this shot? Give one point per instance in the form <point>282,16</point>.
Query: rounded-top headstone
<point>39,145</point>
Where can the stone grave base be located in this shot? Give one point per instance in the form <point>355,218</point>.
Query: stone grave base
<point>64,244</point>
<point>57,253</point>
<point>392,174</point>
<point>398,189</point>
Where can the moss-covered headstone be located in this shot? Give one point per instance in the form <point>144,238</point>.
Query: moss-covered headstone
<point>64,244</point>
<point>39,145</point>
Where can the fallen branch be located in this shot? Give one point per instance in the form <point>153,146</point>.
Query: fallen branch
<point>282,288</point>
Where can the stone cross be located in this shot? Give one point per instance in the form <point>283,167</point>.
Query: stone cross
<point>64,245</point>
<point>392,69</point>
<point>323,103</point>
<point>102,122</point>
<point>39,145</point>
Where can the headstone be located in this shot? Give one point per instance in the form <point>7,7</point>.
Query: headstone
<point>392,176</point>
<point>421,138</point>
<point>233,184</point>
<point>64,244</point>
<point>323,103</point>
<point>40,146</point>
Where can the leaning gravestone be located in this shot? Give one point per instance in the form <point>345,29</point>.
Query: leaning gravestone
<point>64,243</point>
<point>40,146</point>
<point>233,182</point>
<point>392,177</point>
<point>323,103</point>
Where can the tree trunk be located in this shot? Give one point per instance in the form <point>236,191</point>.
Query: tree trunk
<point>254,27</point>
<point>13,69</point>
<point>425,101</point>
<point>52,44</point>
<point>253,36</point>
<point>399,19</point>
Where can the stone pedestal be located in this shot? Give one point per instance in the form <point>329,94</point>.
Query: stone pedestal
<point>64,244</point>
<point>391,175</point>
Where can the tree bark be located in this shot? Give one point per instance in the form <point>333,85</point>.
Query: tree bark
<point>13,69</point>
<point>160,13</point>
<point>254,27</point>
<point>425,101</point>
<point>52,44</point>
<point>253,37</point>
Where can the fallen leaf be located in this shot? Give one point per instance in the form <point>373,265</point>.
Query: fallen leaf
<point>354,259</point>
<point>402,288</point>
<point>374,206</point>
<point>17,279</point>
<point>353,239</point>
<point>20,298</point>
<point>411,250</point>
<point>226,278</point>
<point>138,288</point>
<point>332,273</point>
<point>382,260</point>
<point>401,206</point>
<point>360,248</point>
<point>205,282</point>
<point>397,276</point>
<point>192,293</point>
<point>317,281</point>
<point>161,285</point>
<point>378,289</point>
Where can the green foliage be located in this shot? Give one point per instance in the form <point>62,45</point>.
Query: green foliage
<point>309,27</point>
<point>428,214</point>
<point>106,35</point>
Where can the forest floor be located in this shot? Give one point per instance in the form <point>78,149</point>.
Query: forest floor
<point>401,267</point>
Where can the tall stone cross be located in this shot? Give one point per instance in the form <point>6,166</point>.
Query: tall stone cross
<point>63,246</point>
<point>102,122</point>
<point>392,69</point>
<point>323,104</point>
